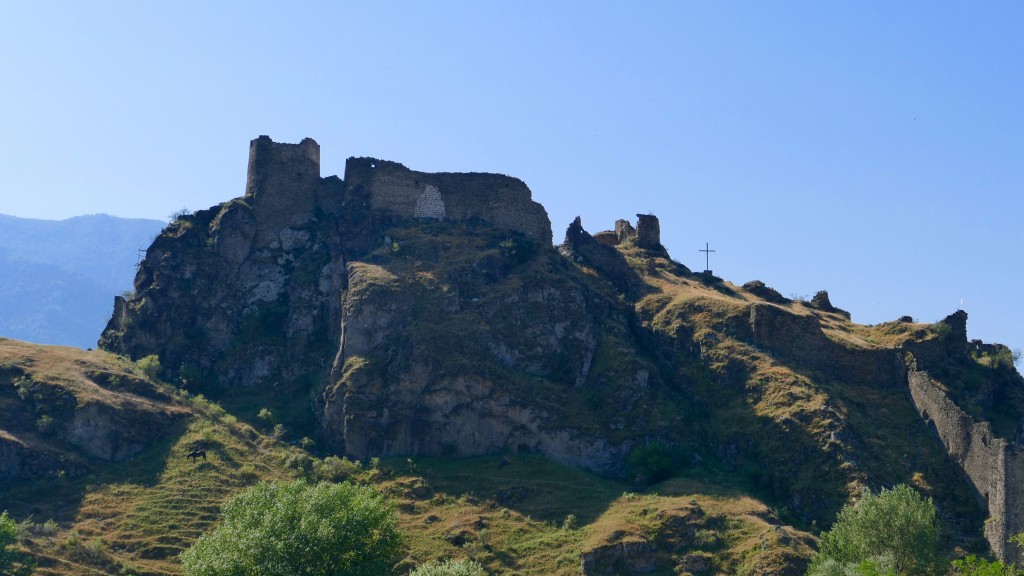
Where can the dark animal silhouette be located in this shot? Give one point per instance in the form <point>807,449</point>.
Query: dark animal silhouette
<point>197,454</point>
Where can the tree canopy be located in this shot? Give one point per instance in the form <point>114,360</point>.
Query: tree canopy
<point>297,529</point>
<point>894,532</point>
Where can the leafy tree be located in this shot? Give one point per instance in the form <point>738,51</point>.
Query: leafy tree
<point>296,529</point>
<point>13,562</point>
<point>974,566</point>
<point>449,568</point>
<point>893,533</point>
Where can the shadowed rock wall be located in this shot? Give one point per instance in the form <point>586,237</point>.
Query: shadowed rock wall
<point>801,339</point>
<point>994,466</point>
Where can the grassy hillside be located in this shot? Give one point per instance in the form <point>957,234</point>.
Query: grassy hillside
<point>807,408</point>
<point>459,339</point>
<point>513,514</point>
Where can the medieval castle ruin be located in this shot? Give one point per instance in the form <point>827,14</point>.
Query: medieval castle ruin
<point>286,189</point>
<point>287,255</point>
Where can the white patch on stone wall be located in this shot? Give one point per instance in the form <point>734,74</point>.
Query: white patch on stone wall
<point>430,204</point>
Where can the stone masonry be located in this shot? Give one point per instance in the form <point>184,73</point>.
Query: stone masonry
<point>994,466</point>
<point>648,232</point>
<point>393,190</point>
<point>282,183</point>
<point>285,188</point>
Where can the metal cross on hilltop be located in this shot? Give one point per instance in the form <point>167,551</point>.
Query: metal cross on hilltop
<point>707,257</point>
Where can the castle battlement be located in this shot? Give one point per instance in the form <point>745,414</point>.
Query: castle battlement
<point>285,188</point>
<point>396,191</point>
<point>282,183</point>
<point>275,164</point>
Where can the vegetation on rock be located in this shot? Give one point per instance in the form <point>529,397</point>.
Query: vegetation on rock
<point>385,330</point>
<point>13,562</point>
<point>449,568</point>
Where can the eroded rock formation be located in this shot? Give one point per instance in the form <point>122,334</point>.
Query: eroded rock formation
<point>401,312</point>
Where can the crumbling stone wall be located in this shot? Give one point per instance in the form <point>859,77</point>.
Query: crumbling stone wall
<point>821,302</point>
<point>396,191</point>
<point>646,235</point>
<point>994,466</point>
<point>648,232</point>
<point>580,246</point>
<point>801,339</point>
<point>285,189</point>
<point>282,183</point>
<point>623,230</point>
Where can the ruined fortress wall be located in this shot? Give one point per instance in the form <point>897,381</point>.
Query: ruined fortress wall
<point>394,190</point>
<point>1013,489</point>
<point>285,189</point>
<point>994,466</point>
<point>801,339</point>
<point>648,232</point>
<point>282,184</point>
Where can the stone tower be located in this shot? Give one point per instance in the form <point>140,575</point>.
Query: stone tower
<point>282,183</point>
<point>623,230</point>
<point>648,232</point>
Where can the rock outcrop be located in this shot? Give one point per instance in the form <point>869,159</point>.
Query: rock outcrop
<point>400,312</point>
<point>248,292</point>
<point>63,410</point>
<point>403,303</point>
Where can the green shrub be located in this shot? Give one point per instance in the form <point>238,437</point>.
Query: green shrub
<point>289,528</point>
<point>941,329</point>
<point>24,387</point>
<point>150,366</point>
<point>248,473</point>
<point>13,562</point>
<point>449,568</point>
<point>974,566</point>
<point>46,425</point>
<point>334,469</point>
<point>892,532</point>
<point>651,462</point>
<point>517,250</point>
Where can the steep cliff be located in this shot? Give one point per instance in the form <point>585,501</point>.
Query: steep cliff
<point>395,312</point>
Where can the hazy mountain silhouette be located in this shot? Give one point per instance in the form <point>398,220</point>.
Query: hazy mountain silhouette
<point>58,278</point>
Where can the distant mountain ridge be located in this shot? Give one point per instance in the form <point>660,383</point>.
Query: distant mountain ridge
<point>58,277</point>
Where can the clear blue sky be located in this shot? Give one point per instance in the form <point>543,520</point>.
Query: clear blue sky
<point>873,149</point>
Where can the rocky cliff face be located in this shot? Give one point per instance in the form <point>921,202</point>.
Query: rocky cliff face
<point>399,312</point>
<point>488,351</point>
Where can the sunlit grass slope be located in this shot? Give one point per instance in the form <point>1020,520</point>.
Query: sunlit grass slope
<point>513,514</point>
